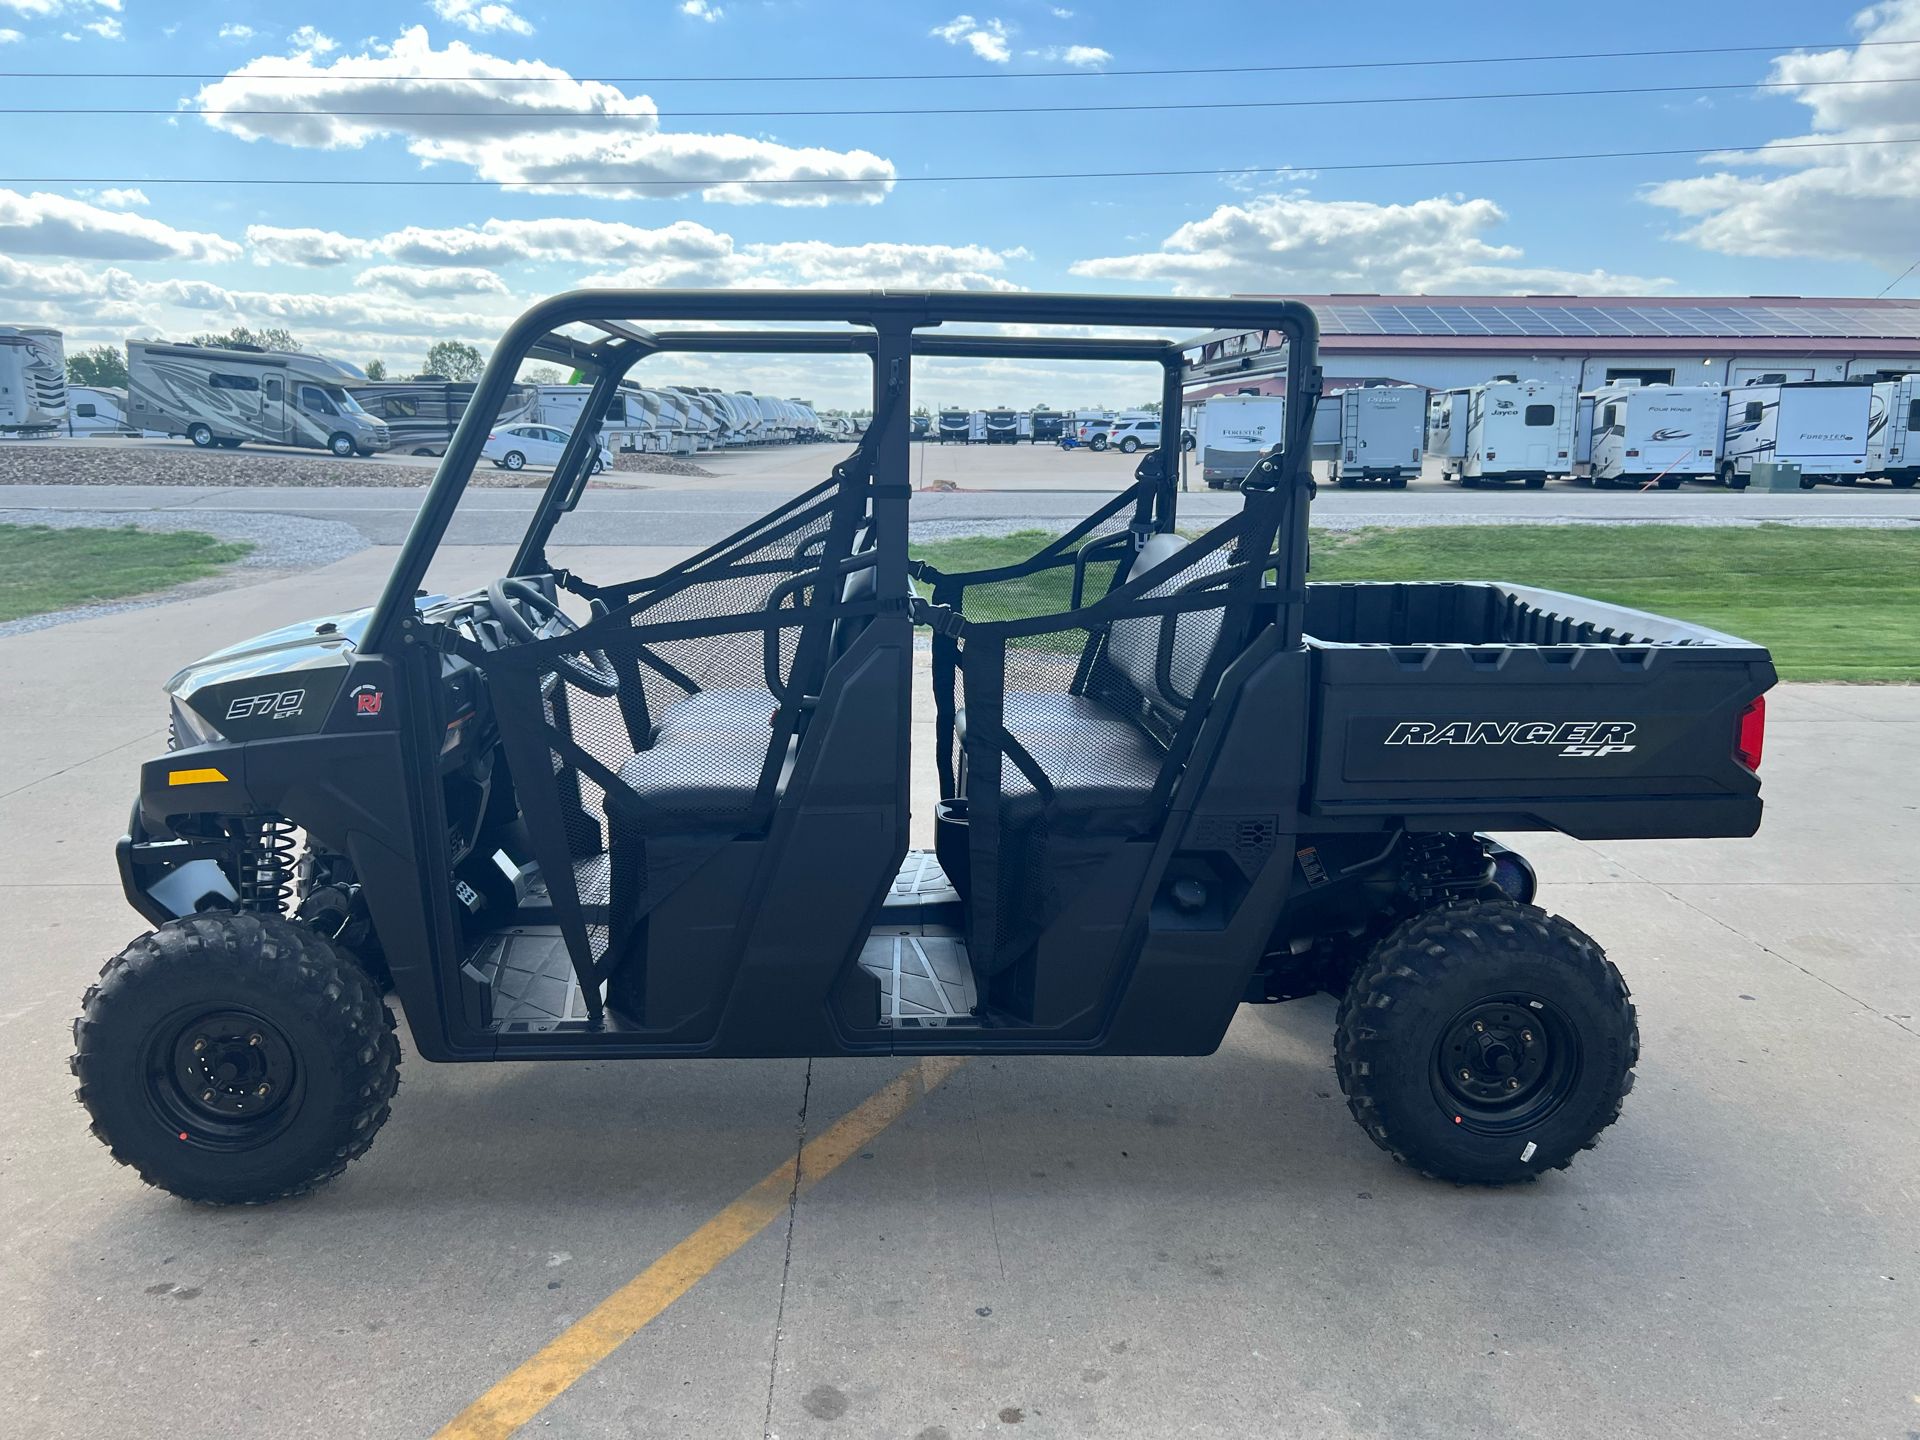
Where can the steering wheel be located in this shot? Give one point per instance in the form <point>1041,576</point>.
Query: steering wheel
<point>589,668</point>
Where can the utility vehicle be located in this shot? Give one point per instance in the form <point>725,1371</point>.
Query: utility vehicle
<point>573,816</point>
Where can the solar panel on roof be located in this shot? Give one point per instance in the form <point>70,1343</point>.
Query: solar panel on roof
<point>1579,321</point>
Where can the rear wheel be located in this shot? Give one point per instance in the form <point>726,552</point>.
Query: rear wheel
<point>1485,1041</point>
<point>1129,445</point>
<point>234,1059</point>
<point>201,435</point>
<point>341,444</point>
<point>1902,482</point>
<point>1099,442</point>
<point>1669,482</point>
<point>1535,482</point>
<point>1398,482</point>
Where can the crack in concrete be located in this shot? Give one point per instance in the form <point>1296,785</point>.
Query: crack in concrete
<point>786,1261</point>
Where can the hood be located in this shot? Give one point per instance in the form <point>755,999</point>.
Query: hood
<point>329,639</point>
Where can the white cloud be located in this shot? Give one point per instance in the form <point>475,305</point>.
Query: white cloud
<point>682,247</point>
<point>119,198</point>
<point>44,224</point>
<point>45,8</point>
<point>702,10</point>
<point>275,245</point>
<point>308,40</point>
<point>619,144</point>
<point>10,37</point>
<point>1858,201</point>
<point>236,32</point>
<point>1086,57</point>
<point>426,282</point>
<point>482,17</point>
<point>107,28</point>
<point>820,265</point>
<point>986,38</point>
<point>1060,13</point>
<point>1290,243</point>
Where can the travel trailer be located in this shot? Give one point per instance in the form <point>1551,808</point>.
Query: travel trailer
<point>1047,427</point>
<point>1517,430</point>
<point>1003,427</point>
<point>1447,428</point>
<point>421,413</point>
<point>1819,425</point>
<point>97,410</point>
<point>1235,431</point>
<point>629,420</point>
<point>33,379</point>
<point>1653,434</point>
<point>228,396</point>
<point>1893,447</point>
<point>1382,432</point>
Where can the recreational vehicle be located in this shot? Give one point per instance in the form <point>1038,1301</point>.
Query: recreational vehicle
<point>227,396</point>
<point>33,379</point>
<point>97,410</point>
<point>1819,425</point>
<point>1447,428</point>
<point>1235,431</point>
<point>1893,449</point>
<point>1517,430</point>
<point>629,419</point>
<point>1003,427</point>
<point>1048,426</point>
<point>1654,434</point>
<point>1382,429</point>
<point>422,413</point>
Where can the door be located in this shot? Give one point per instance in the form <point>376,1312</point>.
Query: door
<point>1539,434</point>
<point>273,410</point>
<point>314,417</point>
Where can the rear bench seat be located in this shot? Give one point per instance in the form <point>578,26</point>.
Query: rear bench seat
<point>1099,756</point>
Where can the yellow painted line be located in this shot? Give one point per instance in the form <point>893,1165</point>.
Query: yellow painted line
<point>208,776</point>
<point>617,1319</point>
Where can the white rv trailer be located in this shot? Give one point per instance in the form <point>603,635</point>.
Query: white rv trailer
<point>1382,431</point>
<point>1003,427</point>
<point>1235,431</point>
<point>1518,430</point>
<point>1893,447</point>
<point>1643,434</point>
<point>953,426</point>
<point>97,410</point>
<point>33,379</point>
<point>421,414</point>
<point>1819,425</point>
<point>627,424</point>
<point>1447,428</point>
<point>227,396</point>
<point>976,427</point>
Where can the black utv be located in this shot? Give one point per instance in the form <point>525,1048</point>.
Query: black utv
<point>575,817</point>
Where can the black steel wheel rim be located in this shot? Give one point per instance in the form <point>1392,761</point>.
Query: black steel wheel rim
<point>1505,1063</point>
<point>225,1079</point>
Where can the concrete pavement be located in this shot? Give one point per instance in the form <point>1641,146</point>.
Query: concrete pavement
<point>1202,1247</point>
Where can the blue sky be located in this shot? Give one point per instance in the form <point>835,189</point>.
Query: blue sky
<point>365,272</point>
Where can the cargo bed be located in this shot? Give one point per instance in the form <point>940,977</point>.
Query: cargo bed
<point>1485,705</point>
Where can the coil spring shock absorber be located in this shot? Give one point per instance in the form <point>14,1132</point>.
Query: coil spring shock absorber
<point>265,881</point>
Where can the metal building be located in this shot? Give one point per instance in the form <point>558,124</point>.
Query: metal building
<point>1446,341</point>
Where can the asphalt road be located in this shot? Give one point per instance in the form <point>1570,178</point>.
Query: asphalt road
<point>1058,1247</point>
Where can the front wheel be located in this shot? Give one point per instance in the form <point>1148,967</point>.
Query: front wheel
<point>1099,442</point>
<point>233,1058</point>
<point>1129,445</point>
<point>341,444</point>
<point>514,460</point>
<point>201,435</point>
<point>1485,1041</point>
<point>1902,482</point>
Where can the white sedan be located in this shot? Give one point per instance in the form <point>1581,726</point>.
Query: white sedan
<point>514,447</point>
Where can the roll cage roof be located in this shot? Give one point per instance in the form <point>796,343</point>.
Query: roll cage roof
<point>889,327</point>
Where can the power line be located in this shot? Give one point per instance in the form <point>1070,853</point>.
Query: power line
<point>699,183</point>
<point>1234,67</point>
<point>615,115</point>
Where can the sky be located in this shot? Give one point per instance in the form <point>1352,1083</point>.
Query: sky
<point>673,108</point>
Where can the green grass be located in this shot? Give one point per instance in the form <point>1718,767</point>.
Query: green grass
<point>1840,604</point>
<point>42,569</point>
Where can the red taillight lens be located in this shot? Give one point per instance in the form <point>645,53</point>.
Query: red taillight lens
<point>1753,734</point>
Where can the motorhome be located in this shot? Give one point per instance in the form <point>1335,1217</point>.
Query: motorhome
<point>1819,425</point>
<point>1003,427</point>
<point>1382,431</point>
<point>1235,431</point>
<point>422,413</point>
<point>33,379</point>
<point>1893,446</point>
<point>230,395</point>
<point>1653,434</point>
<point>1517,430</point>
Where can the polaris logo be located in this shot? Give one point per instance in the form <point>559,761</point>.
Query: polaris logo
<point>1588,738</point>
<point>275,705</point>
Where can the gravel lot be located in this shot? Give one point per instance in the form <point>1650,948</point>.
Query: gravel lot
<point>97,463</point>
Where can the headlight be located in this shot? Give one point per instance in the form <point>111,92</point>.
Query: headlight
<point>191,728</point>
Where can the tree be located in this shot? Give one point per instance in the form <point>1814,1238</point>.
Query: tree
<point>98,365</point>
<point>542,375</point>
<point>272,338</point>
<point>376,369</point>
<point>455,360</point>
<point>1152,407</point>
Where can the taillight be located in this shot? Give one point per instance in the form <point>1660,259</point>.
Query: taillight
<point>1753,734</point>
